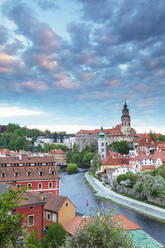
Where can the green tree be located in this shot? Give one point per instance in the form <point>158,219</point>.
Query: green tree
<point>72,168</point>
<point>10,225</point>
<point>32,241</point>
<point>161,137</point>
<point>153,136</point>
<point>87,157</point>
<point>102,231</point>
<point>95,163</point>
<point>54,237</point>
<point>121,147</point>
<point>150,185</point>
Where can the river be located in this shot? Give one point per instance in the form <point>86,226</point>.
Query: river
<point>75,187</point>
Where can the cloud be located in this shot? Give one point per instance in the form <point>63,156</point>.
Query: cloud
<point>47,4</point>
<point>41,34</point>
<point>11,111</point>
<point>113,82</point>
<point>3,34</point>
<point>44,61</point>
<point>35,86</point>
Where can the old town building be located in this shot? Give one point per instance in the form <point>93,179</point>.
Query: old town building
<point>121,132</point>
<point>59,156</point>
<point>38,174</point>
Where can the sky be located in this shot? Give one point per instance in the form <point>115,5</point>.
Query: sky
<point>70,65</point>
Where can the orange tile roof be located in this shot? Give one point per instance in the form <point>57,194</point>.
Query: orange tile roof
<point>26,160</point>
<point>73,225</point>
<point>23,173</point>
<point>119,219</point>
<point>147,167</point>
<point>5,152</point>
<point>127,224</point>
<point>54,202</point>
<point>55,151</point>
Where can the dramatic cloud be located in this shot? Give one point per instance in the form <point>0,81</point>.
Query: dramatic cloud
<point>106,51</point>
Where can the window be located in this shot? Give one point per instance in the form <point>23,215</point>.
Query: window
<point>40,173</point>
<point>29,185</point>
<point>67,204</point>
<point>3,174</point>
<point>54,218</point>
<point>50,185</point>
<point>18,186</point>
<point>31,220</point>
<point>102,150</point>
<point>29,173</point>
<point>16,174</point>
<point>40,185</point>
<point>47,215</point>
<point>102,143</point>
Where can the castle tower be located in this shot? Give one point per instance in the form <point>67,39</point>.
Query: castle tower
<point>102,144</point>
<point>125,120</point>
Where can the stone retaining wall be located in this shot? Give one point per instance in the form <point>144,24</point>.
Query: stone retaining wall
<point>106,192</point>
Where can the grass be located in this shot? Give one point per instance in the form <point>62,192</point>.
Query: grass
<point>90,186</point>
<point>127,195</point>
<point>145,201</point>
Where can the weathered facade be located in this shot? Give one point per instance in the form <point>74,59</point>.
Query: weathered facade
<point>122,132</point>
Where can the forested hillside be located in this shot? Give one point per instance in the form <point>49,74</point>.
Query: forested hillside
<point>13,137</point>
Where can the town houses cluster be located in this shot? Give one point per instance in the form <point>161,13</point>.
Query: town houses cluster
<point>41,205</point>
<point>38,173</point>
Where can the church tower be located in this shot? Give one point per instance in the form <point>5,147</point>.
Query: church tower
<point>125,120</point>
<point>102,144</point>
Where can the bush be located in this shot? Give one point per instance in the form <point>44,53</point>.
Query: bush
<point>100,232</point>
<point>121,177</point>
<point>54,237</point>
<point>72,168</point>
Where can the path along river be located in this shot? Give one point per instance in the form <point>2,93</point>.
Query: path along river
<point>75,187</point>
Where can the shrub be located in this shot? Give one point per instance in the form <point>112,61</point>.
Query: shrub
<point>121,177</point>
<point>100,232</point>
<point>54,237</point>
<point>72,168</point>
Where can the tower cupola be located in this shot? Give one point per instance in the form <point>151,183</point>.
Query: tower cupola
<point>102,144</point>
<point>125,120</point>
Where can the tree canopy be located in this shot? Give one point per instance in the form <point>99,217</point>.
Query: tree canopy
<point>121,147</point>
<point>100,232</point>
<point>10,225</point>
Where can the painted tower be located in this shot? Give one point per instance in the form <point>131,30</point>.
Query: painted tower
<point>125,120</point>
<point>102,144</point>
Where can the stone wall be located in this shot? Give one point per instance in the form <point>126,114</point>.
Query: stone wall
<point>137,195</point>
<point>156,200</point>
<point>129,191</point>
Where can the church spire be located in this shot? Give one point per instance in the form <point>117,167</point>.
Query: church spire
<point>125,119</point>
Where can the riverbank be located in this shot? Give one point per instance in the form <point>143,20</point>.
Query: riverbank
<point>141,207</point>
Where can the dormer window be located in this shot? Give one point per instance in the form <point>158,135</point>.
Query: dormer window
<point>40,173</point>
<point>3,174</point>
<point>53,172</point>
<point>29,173</point>
<point>16,174</point>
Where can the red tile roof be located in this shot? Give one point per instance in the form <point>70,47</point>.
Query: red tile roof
<point>23,173</point>
<point>55,151</point>
<point>54,202</point>
<point>147,167</point>
<point>30,198</point>
<point>127,224</point>
<point>119,219</point>
<point>26,160</point>
<point>5,152</point>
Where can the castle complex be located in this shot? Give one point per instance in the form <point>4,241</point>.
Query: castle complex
<point>120,132</point>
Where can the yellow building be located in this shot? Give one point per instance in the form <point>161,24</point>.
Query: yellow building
<point>58,209</point>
